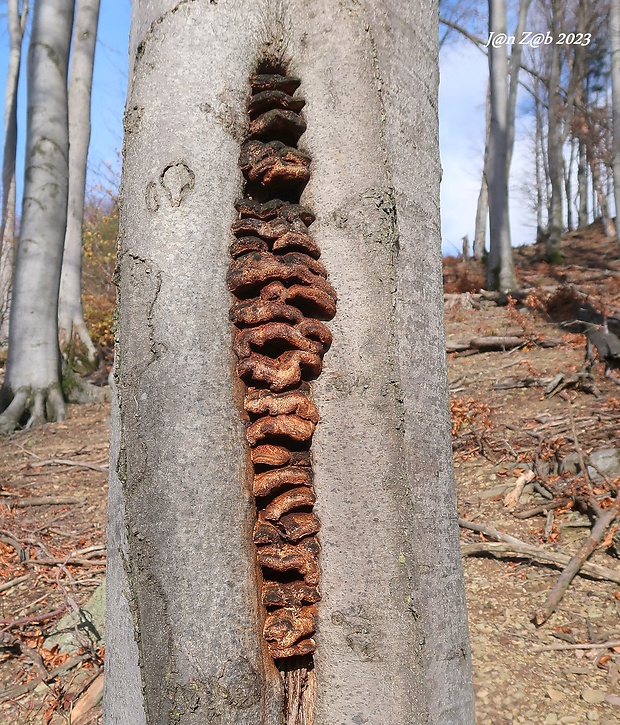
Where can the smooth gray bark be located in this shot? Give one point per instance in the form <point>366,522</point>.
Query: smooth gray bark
<point>539,153</point>
<point>32,381</point>
<point>16,23</point>
<point>482,207</point>
<point>500,264</point>
<point>392,637</point>
<point>582,185</point>
<point>71,323</point>
<point>554,144</point>
<point>614,35</point>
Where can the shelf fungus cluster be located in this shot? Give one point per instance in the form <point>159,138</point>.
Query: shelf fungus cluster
<point>282,298</point>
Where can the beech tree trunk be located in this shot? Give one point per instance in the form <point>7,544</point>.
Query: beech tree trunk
<point>554,145</point>
<point>71,324</point>
<point>32,381</point>
<point>614,31</point>
<point>500,265</point>
<point>16,23</point>
<point>482,207</point>
<point>582,184</point>
<point>184,619</point>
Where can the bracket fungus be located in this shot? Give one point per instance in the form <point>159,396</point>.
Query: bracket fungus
<point>281,296</point>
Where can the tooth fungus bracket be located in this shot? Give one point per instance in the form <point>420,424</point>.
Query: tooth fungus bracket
<point>282,298</point>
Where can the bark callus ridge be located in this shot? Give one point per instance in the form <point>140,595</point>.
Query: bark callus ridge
<point>281,297</point>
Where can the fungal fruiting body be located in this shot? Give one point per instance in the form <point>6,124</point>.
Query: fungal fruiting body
<point>282,298</point>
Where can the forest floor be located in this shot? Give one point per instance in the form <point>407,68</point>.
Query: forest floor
<point>53,485</point>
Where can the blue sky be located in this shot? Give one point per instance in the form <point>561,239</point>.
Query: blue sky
<point>461,110</point>
<point>109,90</point>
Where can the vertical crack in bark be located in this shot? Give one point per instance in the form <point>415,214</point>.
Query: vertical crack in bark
<point>282,297</point>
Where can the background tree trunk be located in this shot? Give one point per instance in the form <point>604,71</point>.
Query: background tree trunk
<point>16,23</point>
<point>500,266</point>
<point>614,6</point>
<point>582,183</point>
<point>32,379</point>
<point>482,208</point>
<point>392,636</point>
<point>70,314</point>
<point>554,145</point>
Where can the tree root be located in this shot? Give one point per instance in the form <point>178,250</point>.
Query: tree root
<point>74,331</point>
<point>43,404</point>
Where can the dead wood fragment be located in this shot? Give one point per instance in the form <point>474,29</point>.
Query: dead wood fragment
<point>498,343</point>
<point>19,549</point>
<point>45,501</point>
<point>542,509</point>
<point>11,623</point>
<point>603,522</point>
<point>591,645</point>
<point>8,640</point>
<point>489,531</point>
<point>66,462</point>
<point>491,547</point>
<point>582,380</point>
<point>87,701</point>
<point>5,586</point>
<point>512,497</point>
<point>82,561</point>
<point>511,383</point>
<point>33,684</point>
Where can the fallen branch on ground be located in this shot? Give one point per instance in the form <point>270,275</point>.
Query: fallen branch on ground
<point>10,623</point>
<point>87,701</point>
<point>542,509</point>
<point>33,684</point>
<point>66,462</point>
<point>603,522</point>
<point>44,501</point>
<point>8,640</point>
<point>489,531</point>
<point>488,547</point>
<point>498,343</point>
<point>592,645</point>
<point>14,582</point>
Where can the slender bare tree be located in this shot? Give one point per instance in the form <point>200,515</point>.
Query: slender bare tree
<point>615,86</point>
<point>32,381</point>
<point>482,207</point>
<point>17,24</point>
<point>500,264</point>
<point>184,622</point>
<point>70,313</point>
